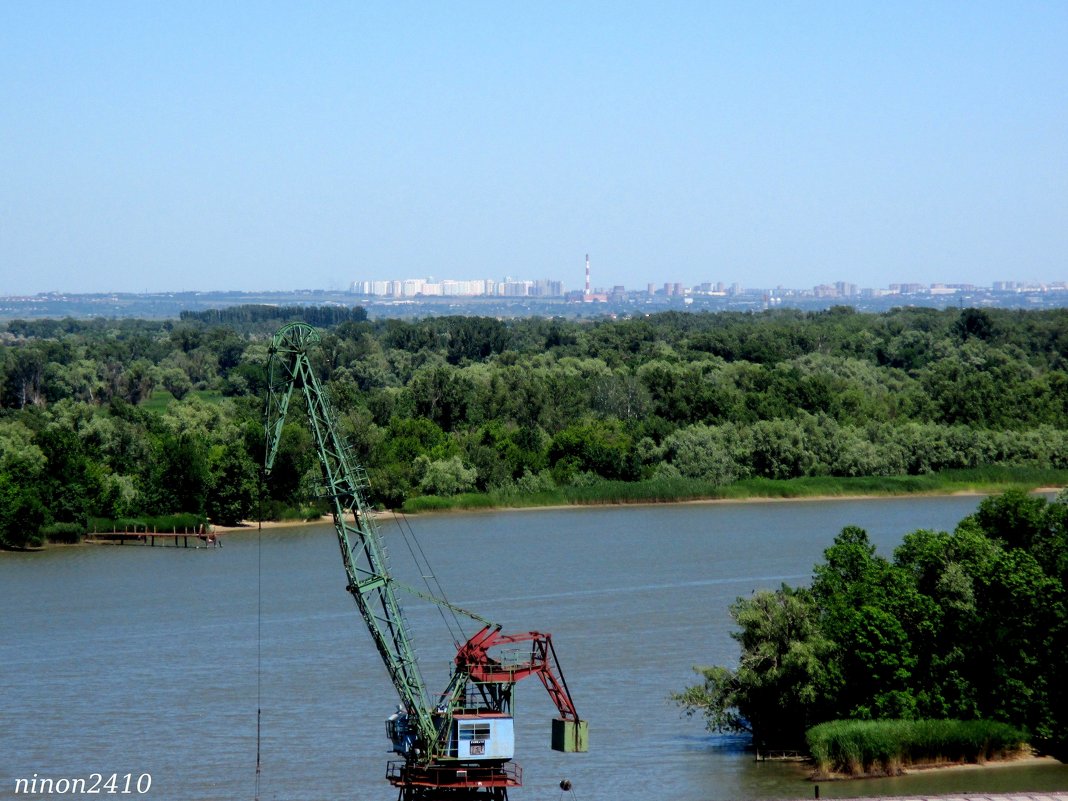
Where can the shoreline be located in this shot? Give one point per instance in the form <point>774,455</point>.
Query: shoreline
<point>248,525</point>
<point>746,500</point>
<point>947,767</point>
<point>990,763</point>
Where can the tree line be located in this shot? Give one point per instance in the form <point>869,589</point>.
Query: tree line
<point>111,418</point>
<point>263,313</point>
<point>964,625</point>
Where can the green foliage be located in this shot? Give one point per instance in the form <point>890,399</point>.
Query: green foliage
<point>440,394</point>
<point>539,489</point>
<point>967,624</point>
<point>176,381</point>
<point>232,485</point>
<point>444,476</point>
<point>117,417</point>
<point>711,453</point>
<point>597,446</point>
<point>22,513</point>
<point>782,678</point>
<point>178,477</point>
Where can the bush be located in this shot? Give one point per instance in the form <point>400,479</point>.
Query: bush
<point>445,476</point>
<point>68,533</point>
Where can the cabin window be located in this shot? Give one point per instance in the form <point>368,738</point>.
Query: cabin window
<point>474,731</point>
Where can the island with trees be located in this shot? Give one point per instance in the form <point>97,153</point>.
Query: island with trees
<point>951,650</point>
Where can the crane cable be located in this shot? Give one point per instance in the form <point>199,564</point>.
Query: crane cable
<point>427,573</point>
<point>259,626</point>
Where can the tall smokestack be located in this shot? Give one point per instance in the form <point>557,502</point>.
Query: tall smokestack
<point>587,292</point>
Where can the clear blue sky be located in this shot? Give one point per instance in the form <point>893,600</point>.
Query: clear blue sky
<point>260,145</point>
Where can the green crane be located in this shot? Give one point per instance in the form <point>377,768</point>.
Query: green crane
<point>462,745</point>
<point>361,546</point>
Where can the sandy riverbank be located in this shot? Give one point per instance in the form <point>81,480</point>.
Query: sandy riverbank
<point>1009,762</point>
<point>1021,760</point>
<point>251,525</point>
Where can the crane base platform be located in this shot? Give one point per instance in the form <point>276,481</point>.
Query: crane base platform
<point>453,783</point>
<point>452,794</point>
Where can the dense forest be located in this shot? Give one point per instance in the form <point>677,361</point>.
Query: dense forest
<point>116,419</point>
<point>969,625</point>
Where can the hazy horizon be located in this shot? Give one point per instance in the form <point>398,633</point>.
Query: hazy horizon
<point>207,147</point>
<point>573,287</point>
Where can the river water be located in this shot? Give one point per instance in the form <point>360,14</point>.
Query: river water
<point>118,660</point>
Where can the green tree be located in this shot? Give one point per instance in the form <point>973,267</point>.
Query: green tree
<point>176,382</point>
<point>441,394</point>
<point>233,484</point>
<point>973,323</point>
<point>474,338</point>
<point>597,446</point>
<point>179,476</point>
<point>710,453</point>
<point>138,381</point>
<point>445,476</point>
<point>782,684</point>
<point>22,512</point>
<point>296,458</point>
<point>71,481</point>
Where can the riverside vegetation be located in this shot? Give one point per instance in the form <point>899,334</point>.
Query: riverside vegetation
<point>888,747</point>
<point>953,650</point>
<point>130,419</point>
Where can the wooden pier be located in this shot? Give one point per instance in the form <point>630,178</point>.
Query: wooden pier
<point>175,539</point>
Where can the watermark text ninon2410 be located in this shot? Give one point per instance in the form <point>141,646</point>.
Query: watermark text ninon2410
<point>93,784</point>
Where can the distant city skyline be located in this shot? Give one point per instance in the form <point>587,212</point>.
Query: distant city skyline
<point>551,286</point>
<point>512,286</point>
<point>418,298</point>
<point>173,147</point>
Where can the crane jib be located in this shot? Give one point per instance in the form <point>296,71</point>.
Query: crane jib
<point>289,369</point>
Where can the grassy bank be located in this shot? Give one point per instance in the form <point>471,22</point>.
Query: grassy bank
<point>988,479</point>
<point>885,747</point>
<point>984,480</point>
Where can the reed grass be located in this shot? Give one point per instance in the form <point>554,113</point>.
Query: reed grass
<point>988,479</point>
<point>886,747</point>
<point>67,533</point>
